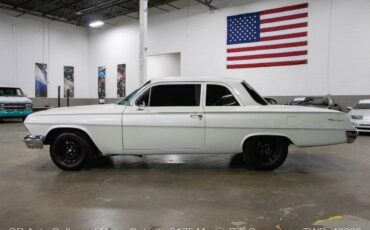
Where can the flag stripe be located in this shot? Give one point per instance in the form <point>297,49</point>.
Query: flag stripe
<point>266,60</point>
<point>267,47</point>
<point>285,8</point>
<point>283,23</point>
<point>282,32</point>
<point>284,36</point>
<point>270,55</point>
<point>268,64</point>
<point>284,18</point>
<point>284,27</point>
<point>267,16</point>
<point>265,43</point>
<point>282,50</point>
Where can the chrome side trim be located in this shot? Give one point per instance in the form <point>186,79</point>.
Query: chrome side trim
<point>34,141</point>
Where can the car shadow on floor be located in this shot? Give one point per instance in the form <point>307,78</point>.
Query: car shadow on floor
<point>167,162</point>
<point>10,121</point>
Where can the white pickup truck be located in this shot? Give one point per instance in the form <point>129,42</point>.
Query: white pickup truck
<point>186,115</point>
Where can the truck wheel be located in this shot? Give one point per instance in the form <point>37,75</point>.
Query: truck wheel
<point>69,151</point>
<point>265,153</point>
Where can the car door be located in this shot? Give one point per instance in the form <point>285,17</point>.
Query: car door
<point>221,107</point>
<point>165,118</point>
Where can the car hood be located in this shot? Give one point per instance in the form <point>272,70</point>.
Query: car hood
<point>362,112</point>
<point>14,100</point>
<point>80,110</point>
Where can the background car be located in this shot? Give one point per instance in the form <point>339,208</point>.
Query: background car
<point>271,101</point>
<point>321,102</point>
<point>360,115</point>
<point>13,103</point>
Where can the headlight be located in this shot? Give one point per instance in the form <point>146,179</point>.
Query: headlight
<point>2,106</point>
<point>28,106</point>
<point>356,117</point>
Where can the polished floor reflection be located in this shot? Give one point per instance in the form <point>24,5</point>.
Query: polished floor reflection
<point>185,191</point>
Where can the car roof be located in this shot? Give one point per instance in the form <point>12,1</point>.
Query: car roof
<point>196,79</point>
<point>365,101</point>
<point>8,86</point>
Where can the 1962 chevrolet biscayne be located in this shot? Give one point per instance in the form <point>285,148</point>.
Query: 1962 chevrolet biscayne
<point>186,115</point>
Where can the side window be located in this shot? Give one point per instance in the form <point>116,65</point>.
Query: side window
<point>144,98</point>
<point>218,95</point>
<point>171,95</point>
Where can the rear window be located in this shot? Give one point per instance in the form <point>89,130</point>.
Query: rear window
<point>218,95</point>
<point>255,96</point>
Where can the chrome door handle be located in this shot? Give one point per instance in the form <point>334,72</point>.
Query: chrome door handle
<point>196,116</point>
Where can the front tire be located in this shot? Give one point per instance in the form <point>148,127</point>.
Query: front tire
<point>69,151</point>
<point>265,152</point>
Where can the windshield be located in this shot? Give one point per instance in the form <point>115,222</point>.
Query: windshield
<point>127,100</point>
<point>11,92</point>
<point>362,106</point>
<point>317,101</point>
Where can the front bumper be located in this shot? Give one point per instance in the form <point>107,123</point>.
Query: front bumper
<point>6,113</point>
<point>363,126</point>
<point>34,141</point>
<point>351,135</point>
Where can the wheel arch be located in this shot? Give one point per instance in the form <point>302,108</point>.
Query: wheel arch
<point>55,131</point>
<point>246,138</point>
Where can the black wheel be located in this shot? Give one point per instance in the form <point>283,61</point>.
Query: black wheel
<point>265,153</point>
<point>69,151</point>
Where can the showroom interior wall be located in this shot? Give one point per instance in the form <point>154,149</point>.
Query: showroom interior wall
<point>37,40</point>
<point>164,65</point>
<point>338,63</point>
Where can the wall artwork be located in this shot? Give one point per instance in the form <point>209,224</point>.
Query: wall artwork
<point>41,80</point>
<point>121,80</point>
<point>69,77</point>
<point>101,81</point>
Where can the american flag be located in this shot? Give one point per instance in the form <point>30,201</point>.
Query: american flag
<point>274,37</point>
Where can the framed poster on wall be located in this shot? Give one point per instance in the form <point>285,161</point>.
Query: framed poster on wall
<point>101,81</point>
<point>69,81</point>
<point>121,80</point>
<point>41,80</point>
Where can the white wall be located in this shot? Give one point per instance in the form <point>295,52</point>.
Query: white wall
<point>26,40</point>
<point>109,48</point>
<point>341,68</point>
<point>164,65</point>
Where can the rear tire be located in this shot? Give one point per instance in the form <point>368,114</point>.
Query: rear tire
<point>69,151</point>
<point>265,152</point>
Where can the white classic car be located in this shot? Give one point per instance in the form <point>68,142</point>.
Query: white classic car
<point>182,116</point>
<point>360,115</point>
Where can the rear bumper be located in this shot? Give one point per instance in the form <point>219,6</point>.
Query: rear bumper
<point>14,113</point>
<point>351,135</point>
<point>34,141</point>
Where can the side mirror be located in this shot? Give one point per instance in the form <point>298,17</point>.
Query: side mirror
<point>142,106</point>
<point>349,108</point>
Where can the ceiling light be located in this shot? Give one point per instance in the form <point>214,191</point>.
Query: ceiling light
<point>96,24</point>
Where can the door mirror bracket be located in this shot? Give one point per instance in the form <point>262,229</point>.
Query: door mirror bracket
<point>142,106</point>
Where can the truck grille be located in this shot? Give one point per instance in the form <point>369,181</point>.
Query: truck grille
<point>14,106</point>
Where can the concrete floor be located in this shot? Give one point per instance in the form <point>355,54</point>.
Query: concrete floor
<point>177,191</point>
